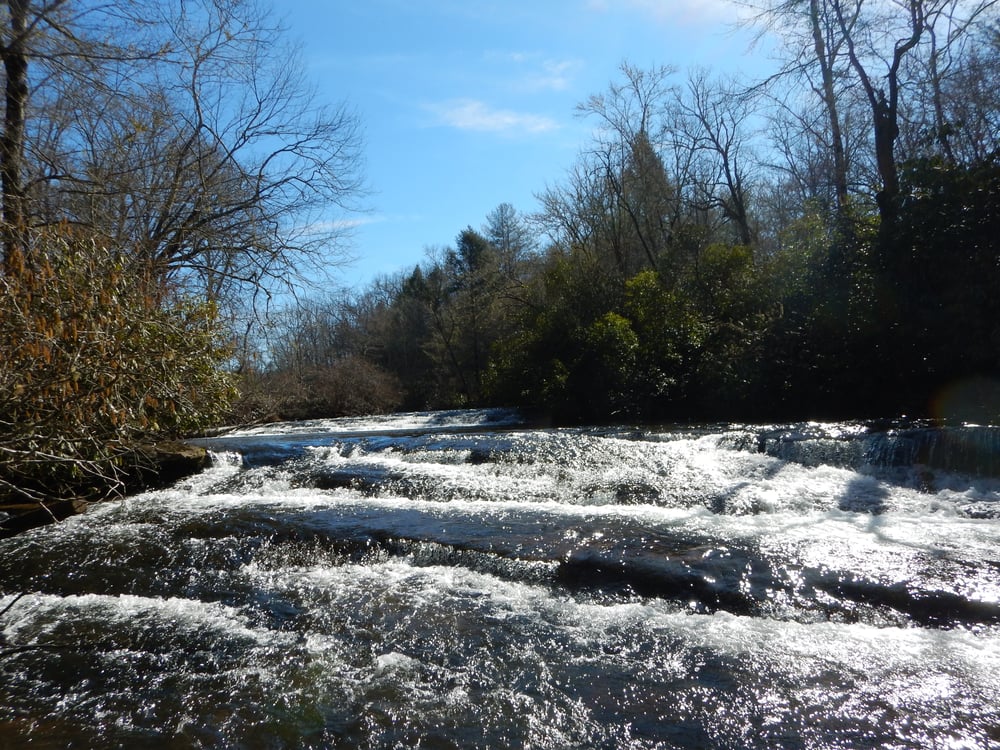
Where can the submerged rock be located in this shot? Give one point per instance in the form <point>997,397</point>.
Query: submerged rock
<point>25,516</point>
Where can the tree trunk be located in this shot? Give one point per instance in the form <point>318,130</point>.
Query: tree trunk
<point>885,108</point>
<point>825,58</point>
<point>886,131</point>
<point>15,62</point>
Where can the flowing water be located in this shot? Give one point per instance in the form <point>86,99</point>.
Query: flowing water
<point>453,580</point>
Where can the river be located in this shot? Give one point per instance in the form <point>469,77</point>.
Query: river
<point>459,579</point>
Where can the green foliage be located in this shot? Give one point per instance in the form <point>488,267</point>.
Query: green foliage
<point>96,358</point>
<point>670,334</point>
<point>404,328</point>
<point>581,363</point>
<point>803,244</point>
<point>731,295</point>
<point>546,362</point>
<point>725,280</point>
<point>939,280</point>
<point>605,372</point>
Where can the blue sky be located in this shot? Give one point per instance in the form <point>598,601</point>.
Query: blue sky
<point>467,104</point>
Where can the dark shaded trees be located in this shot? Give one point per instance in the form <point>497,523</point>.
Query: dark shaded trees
<point>710,258</point>
<point>941,312</point>
<point>404,332</point>
<point>423,339</point>
<point>836,315</point>
<point>469,294</point>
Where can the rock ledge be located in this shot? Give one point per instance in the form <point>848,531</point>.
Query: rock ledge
<point>152,466</point>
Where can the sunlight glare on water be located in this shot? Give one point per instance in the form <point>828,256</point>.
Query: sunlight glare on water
<point>448,580</point>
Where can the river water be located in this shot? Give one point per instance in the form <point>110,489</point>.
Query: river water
<point>453,579</point>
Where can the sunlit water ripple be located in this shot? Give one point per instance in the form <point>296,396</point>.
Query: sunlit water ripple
<point>455,580</point>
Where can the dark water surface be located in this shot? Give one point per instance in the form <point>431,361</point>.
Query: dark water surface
<point>450,580</point>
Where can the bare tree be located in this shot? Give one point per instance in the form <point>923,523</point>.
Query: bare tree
<point>709,118</point>
<point>184,131</point>
<point>883,97</point>
<point>881,47</point>
<point>511,237</point>
<point>639,202</point>
<point>954,113</point>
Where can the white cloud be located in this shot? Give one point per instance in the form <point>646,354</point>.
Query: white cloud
<point>534,72</point>
<point>676,11</point>
<point>330,226</point>
<point>555,75</point>
<point>472,114</point>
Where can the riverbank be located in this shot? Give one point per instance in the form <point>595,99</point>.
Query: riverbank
<point>150,466</point>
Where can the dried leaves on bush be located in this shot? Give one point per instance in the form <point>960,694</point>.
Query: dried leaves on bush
<point>96,356</point>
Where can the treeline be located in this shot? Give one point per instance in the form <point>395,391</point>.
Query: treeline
<point>825,243</point>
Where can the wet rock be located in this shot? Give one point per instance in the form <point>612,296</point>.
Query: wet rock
<point>22,517</point>
<point>150,466</point>
<point>637,493</point>
<point>161,464</point>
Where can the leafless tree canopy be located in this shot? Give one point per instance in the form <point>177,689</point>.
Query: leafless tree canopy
<point>909,67</point>
<point>182,130</point>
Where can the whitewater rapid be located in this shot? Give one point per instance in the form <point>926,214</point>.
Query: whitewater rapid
<point>459,579</point>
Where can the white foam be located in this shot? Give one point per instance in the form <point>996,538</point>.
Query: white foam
<point>396,662</point>
<point>403,421</point>
<point>41,614</point>
<point>366,593</point>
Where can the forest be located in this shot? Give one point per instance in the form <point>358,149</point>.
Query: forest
<point>820,244</point>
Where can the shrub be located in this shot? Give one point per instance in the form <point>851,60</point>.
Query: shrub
<point>349,386</point>
<point>96,357</point>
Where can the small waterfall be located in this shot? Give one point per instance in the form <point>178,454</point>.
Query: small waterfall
<point>969,449</point>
